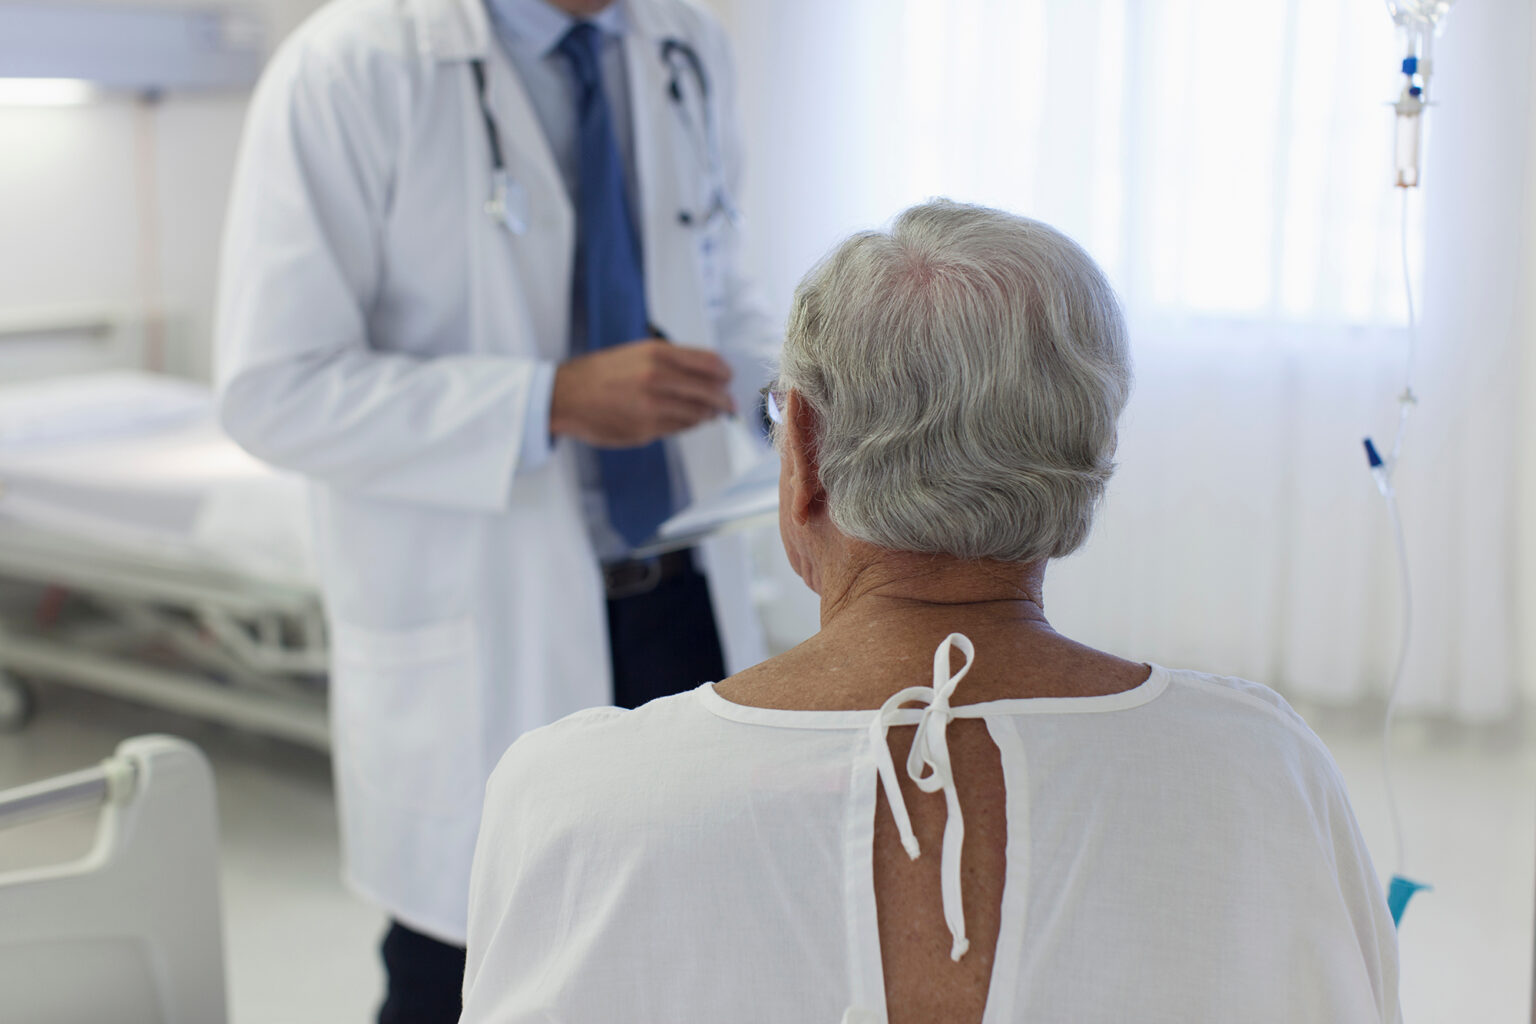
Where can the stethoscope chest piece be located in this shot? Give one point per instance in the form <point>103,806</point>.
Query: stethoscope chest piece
<point>508,205</point>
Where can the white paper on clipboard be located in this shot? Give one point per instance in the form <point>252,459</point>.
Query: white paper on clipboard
<point>749,500</point>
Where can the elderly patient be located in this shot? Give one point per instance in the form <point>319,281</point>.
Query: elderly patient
<point>937,808</point>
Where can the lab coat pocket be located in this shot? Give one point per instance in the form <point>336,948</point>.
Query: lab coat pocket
<point>406,707</point>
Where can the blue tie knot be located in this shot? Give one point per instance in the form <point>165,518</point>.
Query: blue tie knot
<point>580,47</point>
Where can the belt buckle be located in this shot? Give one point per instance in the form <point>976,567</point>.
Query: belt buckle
<point>632,578</point>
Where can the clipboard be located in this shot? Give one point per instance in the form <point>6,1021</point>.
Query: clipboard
<point>749,500</point>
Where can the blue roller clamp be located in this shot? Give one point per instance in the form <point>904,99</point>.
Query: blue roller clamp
<point>1371,456</point>
<point>1399,893</point>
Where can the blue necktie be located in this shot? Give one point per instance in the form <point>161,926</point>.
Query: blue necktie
<point>611,286</point>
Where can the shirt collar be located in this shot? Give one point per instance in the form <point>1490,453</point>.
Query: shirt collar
<point>542,25</point>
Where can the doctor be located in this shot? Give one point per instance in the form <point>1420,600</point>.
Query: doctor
<point>479,284</point>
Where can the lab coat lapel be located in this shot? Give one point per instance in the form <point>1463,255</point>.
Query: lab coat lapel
<point>524,145</point>
<point>452,33</point>
<point>451,30</point>
<point>456,31</point>
<point>671,281</point>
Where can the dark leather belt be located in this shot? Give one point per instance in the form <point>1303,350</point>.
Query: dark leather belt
<point>642,575</point>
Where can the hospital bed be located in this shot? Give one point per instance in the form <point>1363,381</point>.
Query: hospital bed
<point>144,555</point>
<point>131,932</point>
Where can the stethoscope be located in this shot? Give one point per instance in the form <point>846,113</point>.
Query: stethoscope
<point>508,202</point>
<point>701,128</point>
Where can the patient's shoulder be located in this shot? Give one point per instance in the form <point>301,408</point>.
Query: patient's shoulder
<point>1250,727</point>
<point>591,751</point>
<point>1240,699</point>
<point>574,726</point>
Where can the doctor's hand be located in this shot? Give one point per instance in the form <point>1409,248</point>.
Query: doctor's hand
<point>635,393</point>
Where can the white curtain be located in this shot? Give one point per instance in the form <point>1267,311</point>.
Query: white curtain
<point>1229,164</point>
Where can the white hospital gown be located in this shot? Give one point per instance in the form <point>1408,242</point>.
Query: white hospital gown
<point>1181,852</point>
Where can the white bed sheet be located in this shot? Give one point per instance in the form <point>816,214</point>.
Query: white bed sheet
<point>81,407</point>
<point>182,492</point>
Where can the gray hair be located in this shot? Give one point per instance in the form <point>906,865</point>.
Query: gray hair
<point>967,370</point>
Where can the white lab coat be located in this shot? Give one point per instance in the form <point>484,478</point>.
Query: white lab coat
<point>377,332</point>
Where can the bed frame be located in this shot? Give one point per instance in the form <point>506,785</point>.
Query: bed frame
<point>130,932</point>
<point>160,629</point>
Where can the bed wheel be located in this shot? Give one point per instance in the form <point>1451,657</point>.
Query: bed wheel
<point>17,703</point>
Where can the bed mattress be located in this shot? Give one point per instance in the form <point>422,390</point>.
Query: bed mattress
<point>154,480</point>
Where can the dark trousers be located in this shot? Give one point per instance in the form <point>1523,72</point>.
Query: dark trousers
<point>423,978</point>
<point>664,641</point>
<point>661,642</point>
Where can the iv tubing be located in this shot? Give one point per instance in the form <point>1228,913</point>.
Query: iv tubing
<point>1397,680</point>
<point>1406,402</point>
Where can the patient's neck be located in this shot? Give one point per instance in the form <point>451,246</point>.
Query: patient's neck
<point>865,583</point>
<point>883,614</point>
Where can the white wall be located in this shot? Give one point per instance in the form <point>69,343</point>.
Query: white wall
<point>94,198</point>
<point>1525,609</point>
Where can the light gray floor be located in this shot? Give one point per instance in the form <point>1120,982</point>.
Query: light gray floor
<point>1468,804</point>
<point>300,948</point>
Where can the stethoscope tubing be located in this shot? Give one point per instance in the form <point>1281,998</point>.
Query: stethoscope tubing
<point>706,146</point>
<point>492,136</point>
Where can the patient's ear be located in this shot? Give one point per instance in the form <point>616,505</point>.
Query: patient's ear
<point>807,498</point>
